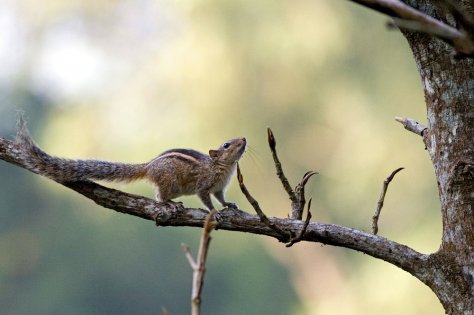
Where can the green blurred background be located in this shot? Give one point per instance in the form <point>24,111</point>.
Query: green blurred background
<point>125,80</point>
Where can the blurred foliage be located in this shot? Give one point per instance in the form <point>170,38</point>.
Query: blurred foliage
<point>124,80</point>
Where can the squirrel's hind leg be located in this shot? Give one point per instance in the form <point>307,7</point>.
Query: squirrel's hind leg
<point>163,196</point>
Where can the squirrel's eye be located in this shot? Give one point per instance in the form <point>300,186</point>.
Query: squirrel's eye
<point>226,145</point>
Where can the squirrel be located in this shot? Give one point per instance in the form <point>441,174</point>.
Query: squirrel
<point>174,173</point>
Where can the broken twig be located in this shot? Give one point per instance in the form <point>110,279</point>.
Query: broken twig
<point>412,125</point>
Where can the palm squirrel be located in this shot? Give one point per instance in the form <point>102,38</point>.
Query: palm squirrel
<point>174,173</point>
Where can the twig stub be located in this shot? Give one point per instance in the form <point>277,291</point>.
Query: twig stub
<point>412,125</point>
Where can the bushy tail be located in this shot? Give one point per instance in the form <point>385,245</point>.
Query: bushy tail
<point>68,170</point>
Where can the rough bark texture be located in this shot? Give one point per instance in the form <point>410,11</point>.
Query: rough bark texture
<point>449,94</point>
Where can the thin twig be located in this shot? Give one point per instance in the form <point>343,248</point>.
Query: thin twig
<point>375,218</point>
<point>300,235</point>
<point>412,125</point>
<point>199,265</point>
<point>284,235</point>
<point>279,169</point>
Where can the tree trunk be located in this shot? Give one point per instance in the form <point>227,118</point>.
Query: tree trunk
<point>449,95</point>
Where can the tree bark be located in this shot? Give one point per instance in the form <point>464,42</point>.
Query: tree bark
<point>449,94</point>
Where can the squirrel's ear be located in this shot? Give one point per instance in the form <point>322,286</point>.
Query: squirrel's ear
<point>214,154</point>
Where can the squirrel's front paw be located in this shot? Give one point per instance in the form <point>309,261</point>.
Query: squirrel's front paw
<point>231,205</point>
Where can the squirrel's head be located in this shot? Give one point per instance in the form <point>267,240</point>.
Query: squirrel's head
<point>230,151</point>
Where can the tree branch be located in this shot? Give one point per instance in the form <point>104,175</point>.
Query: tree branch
<point>460,15</point>
<point>410,18</point>
<point>165,214</point>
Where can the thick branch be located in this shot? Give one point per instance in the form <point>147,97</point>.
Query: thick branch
<point>236,220</point>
